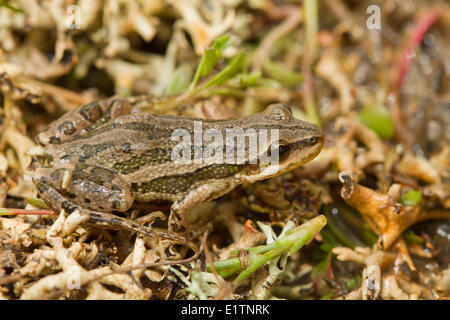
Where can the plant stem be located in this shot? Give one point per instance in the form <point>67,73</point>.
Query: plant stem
<point>291,242</point>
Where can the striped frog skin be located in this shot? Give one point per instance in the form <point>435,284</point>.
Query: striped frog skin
<point>101,158</point>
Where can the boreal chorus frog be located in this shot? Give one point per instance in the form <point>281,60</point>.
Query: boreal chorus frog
<point>101,158</point>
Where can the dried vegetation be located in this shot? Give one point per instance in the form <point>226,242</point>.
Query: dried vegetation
<point>382,180</point>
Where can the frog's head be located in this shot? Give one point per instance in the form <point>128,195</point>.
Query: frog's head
<point>290,144</point>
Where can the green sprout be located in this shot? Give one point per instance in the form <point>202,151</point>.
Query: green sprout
<point>179,90</point>
<point>411,198</point>
<point>226,74</point>
<point>6,4</point>
<point>282,74</point>
<point>379,119</point>
<point>209,59</point>
<point>412,237</point>
<point>288,243</point>
<point>353,282</point>
<point>249,79</point>
<point>37,203</point>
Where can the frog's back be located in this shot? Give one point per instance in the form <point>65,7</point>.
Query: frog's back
<point>150,168</point>
<point>139,148</point>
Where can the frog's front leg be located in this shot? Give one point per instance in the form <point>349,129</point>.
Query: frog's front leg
<point>180,210</point>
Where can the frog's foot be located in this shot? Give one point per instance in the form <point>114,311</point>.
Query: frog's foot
<point>83,119</point>
<point>179,213</point>
<point>111,221</point>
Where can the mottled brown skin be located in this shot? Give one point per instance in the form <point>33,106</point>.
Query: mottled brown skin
<point>111,158</point>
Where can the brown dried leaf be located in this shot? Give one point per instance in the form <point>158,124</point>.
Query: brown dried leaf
<point>386,219</point>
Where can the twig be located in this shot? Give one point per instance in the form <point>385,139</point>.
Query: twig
<point>273,36</point>
<point>342,13</point>
<point>68,95</point>
<point>40,212</point>
<point>398,120</point>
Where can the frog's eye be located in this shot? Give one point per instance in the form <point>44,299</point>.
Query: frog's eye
<point>278,111</point>
<point>282,148</point>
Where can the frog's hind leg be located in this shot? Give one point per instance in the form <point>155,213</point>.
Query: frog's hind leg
<point>57,201</point>
<point>84,119</point>
<point>88,186</point>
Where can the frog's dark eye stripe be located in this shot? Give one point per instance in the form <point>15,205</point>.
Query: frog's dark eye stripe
<point>283,151</point>
<point>282,148</point>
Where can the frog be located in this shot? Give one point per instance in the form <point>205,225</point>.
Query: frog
<point>102,158</point>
